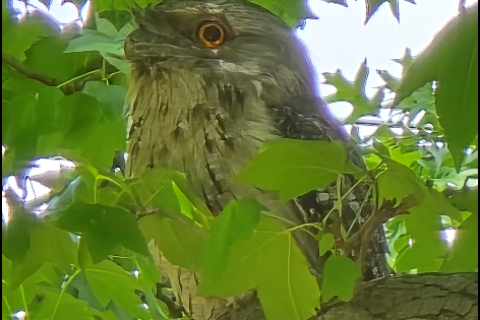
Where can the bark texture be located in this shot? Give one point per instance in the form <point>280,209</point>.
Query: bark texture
<point>408,297</point>
<point>412,297</point>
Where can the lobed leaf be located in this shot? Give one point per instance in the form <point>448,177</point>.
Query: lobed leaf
<point>271,262</point>
<point>181,242</point>
<point>463,255</point>
<point>294,167</point>
<point>105,280</point>
<point>354,93</point>
<point>103,228</point>
<point>235,223</point>
<point>340,275</point>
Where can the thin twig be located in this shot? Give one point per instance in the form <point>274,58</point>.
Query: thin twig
<point>81,79</point>
<point>461,6</point>
<point>375,220</point>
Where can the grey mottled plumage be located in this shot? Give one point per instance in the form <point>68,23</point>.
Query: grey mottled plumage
<point>206,112</point>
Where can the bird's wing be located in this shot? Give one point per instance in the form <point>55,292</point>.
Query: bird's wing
<point>317,204</point>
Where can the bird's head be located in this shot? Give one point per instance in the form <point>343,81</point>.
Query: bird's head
<point>216,35</point>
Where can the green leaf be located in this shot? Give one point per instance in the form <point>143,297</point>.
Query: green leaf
<point>381,148</point>
<point>125,31</point>
<point>111,95</point>
<point>466,200</point>
<point>438,165</point>
<point>271,262</point>
<point>441,205</point>
<point>424,227</point>
<point>236,222</point>
<point>7,163</point>
<point>451,60</point>
<point>102,187</point>
<point>148,272</point>
<point>12,300</point>
<point>373,5</point>
<point>60,306</point>
<point>18,37</point>
<point>463,255</point>
<point>106,27</point>
<point>117,17</point>
<point>340,275</point>
<point>404,158</point>
<point>340,2</point>
<point>396,236</point>
<point>391,81</point>
<point>122,65</point>
<point>103,228</point>
<point>101,5</point>
<point>40,121</point>
<point>91,129</point>
<point>96,41</point>
<point>16,234</point>
<point>36,288</point>
<point>295,167</point>
<point>21,298</point>
<point>372,161</point>
<point>105,280</point>
<point>156,307</point>
<point>47,57</point>
<point>327,242</point>
<point>399,182</point>
<point>80,288</point>
<point>418,257</point>
<point>29,115</point>
<point>48,244</point>
<point>421,99</point>
<point>181,242</point>
<point>354,93</point>
<point>108,315</point>
<point>168,191</point>
<point>292,12</point>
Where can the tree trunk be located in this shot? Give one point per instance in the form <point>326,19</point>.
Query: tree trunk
<point>415,297</point>
<point>409,297</point>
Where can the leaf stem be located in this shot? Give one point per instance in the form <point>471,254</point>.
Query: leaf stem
<point>85,77</point>
<point>361,180</point>
<point>65,286</point>
<point>23,299</point>
<point>6,303</point>
<point>113,74</point>
<point>295,227</point>
<point>304,225</point>
<point>340,198</point>
<point>359,212</point>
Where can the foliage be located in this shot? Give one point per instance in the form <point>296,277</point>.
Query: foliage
<point>86,257</point>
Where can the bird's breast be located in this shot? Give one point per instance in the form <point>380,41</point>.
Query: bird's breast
<point>209,129</point>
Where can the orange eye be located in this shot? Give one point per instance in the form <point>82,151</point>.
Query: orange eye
<point>211,34</point>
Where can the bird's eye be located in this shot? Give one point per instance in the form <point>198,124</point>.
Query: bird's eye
<point>211,34</point>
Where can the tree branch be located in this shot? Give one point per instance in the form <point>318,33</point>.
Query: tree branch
<point>68,87</point>
<point>20,67</point>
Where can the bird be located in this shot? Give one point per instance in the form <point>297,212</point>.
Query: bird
<point>211,82</point>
